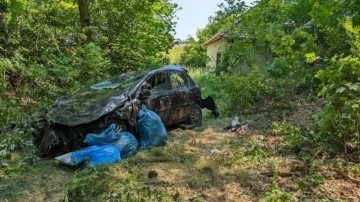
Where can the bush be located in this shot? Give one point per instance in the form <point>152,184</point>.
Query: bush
<point>243,92</point>
<point>258,90</point>
<point>340,83</point>
<point>194,54</point>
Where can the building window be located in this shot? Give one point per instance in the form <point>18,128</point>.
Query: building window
<point>218,58</point>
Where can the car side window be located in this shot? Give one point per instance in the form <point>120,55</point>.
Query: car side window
<point>179,79</point>
<point>158,82</point>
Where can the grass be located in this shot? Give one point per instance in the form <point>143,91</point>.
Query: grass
<point>175,53</point>
<point>275,160</point>
<point>247,167</point>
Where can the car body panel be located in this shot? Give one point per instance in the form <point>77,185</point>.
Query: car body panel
<point>169,91</point>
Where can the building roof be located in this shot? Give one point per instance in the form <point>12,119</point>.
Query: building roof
<point>221,35</point>
<point>214,38</point>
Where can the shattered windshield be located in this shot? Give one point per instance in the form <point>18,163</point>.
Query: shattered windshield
<point>124,81</point>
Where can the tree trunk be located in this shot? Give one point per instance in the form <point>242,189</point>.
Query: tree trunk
<point>85,18</point>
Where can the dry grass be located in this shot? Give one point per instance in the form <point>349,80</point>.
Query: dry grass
<point>244,167</point>
<point>175,52</point>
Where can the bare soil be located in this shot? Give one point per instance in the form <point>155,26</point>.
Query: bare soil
<point>206,164</point>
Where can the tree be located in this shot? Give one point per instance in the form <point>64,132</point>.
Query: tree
<point>85,18</point>
<point>228,14</point>
<point>340,85</point>
<point>43,47</point>
<point>134,34</point>
<point>194,54</point>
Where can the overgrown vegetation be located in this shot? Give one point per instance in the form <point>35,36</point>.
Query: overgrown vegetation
<point>46,52</point>
<point>206,164</point>
<point>340,82</point>
<point>302,106</point>
<point>314,56</point>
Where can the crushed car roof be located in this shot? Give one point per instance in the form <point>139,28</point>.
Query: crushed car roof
<point>99,99</point>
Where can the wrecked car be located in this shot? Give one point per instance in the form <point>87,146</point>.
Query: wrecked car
<point>169,91</point>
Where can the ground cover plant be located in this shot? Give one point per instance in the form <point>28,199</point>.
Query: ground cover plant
<point>204,164</point>
<point>301,110</point>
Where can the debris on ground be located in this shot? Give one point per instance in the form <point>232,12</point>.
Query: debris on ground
<point>94,155</point>
<point>237,127</point>
<point>124,141</point>
<point>152,174</point>
<point>111,145</point>
<point>214,151</point>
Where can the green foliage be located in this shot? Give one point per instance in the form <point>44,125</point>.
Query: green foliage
<point>175,53</point>
<point>44,53</point>
<point>279,68</point>
<point>275,194</point>
<point>211,85</point>
<point>134,34</point>
<point>254,152</point>
<point>252,92</point>
<point>87,185</point>
<point>194,55</point>
<point>15,141</point>
<point>17,151</point>
<point>98,184</point>
<point>257,152</point>
<point>340,85</point>
<point>236,57</point>
<point>228,13</point>
<point>311,181</point>
<point>295,138</point>
<point>243,92</point>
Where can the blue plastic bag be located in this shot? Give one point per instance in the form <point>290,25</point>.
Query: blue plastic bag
<point>108,136</point>
<point>96,155</point>
<point>124,141</point>
<point>151,129</point>
<point>127,144</point>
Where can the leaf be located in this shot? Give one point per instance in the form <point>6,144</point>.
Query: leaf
<point>353,86</point>
<point>355,106</point>
<point>340,90</point>
<point>311,57</point>
<point>12,101</point>
<point>16,6</point>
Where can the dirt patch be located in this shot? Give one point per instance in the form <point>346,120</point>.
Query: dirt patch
<point>339,190</point>
<point>204,164</point>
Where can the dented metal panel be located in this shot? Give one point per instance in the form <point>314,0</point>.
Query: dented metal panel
<point>169,91</point>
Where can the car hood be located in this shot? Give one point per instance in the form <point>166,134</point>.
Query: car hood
<point>86,106</point>
<point>96,101</point>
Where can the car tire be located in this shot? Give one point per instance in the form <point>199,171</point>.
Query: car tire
<point>195,116</point>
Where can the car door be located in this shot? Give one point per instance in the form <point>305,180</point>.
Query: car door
<point>180,95</point>
<point>159,100</point>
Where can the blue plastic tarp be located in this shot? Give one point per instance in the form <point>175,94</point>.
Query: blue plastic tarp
<point>94,155</point>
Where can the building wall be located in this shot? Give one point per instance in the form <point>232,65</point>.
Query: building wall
<point>262,56</point>
<point>212,51</point>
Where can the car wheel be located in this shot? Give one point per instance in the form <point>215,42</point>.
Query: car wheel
<point>195,116</point>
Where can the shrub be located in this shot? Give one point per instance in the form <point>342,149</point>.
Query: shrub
<point>340,85</point>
